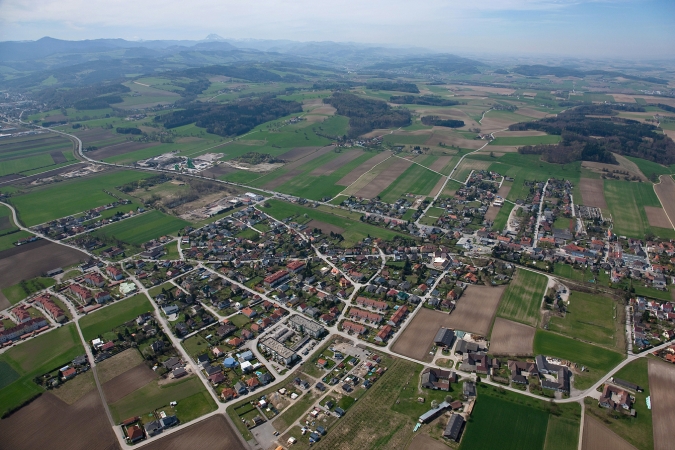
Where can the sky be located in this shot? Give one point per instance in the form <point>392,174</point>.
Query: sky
<point>633,29</point>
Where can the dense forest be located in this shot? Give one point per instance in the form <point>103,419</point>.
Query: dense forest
<point>393,86</point>
<point>595,138</point>
<point>83,98</point>
<point>666,107</point>
<point>430,100</point>
<point>129,130</point>
<point>97,102</point>
<point>365,115</point>
<point>231,119</point>
<point>245,73</point>
<point>432,121</point>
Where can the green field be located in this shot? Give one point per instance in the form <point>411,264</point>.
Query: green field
<point>104,320</point>
<point>526,140</point>
<point>193,400</point>
<point>591,318</point>
<point>522,299</point>
<point>562,433</point>
<point>147,226</point>
<point>20,364</point>
<point>625,201</point>
<point>650,169</point>
<point>19,155</point>
<point>502,216</point>
<point>511,426</point>
<point>597,360</point>
<point>415,180</point>
<point>353,231</point>
<point>39,205</point>
<point>21,290</point>
<point>636,430</point>
<point>9,232</point>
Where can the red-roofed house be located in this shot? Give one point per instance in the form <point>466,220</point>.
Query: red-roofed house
<point>353,327</point>
<point>398,316</point>
<point>383,334</point>
<point>295,266</point>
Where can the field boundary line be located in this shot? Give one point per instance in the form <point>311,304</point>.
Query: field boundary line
<point>414,162</point>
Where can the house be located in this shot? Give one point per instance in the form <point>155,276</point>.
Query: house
<point>170,309</point>
<point>50,308</point>
<point>225,330</point>
<point>240,388</point>
<point>520,370</point>
<point>114,273</point>
<point>469,389</point>
<point>228,394</point>
<point>445,337</point>
<point>153,428</point>
<point>438,379</point>
<point>398,316</point>
<point>276,278</point>
<point>102,297</point>
<point>627,384</point>
<point>68,373</point>
<point>353,327</point>
<point>80,292</point>
<point>248,312</point>
<point>454,428</point>
<point>475,362</point>
<point>364,315</point>
<point>135,433</point>
<point>464,347</point>
<point>306,326</point>
<point>615,398</point>
<point>295,266</point>
<point>384,333</point>
<point>94,279</point>
<point>370,303</point>
<point>168,421</point>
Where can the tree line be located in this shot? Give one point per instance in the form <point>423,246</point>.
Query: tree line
<point>430,100</point>
<point>438,122</point>
<point>392,86</point>
<point>232,119</point>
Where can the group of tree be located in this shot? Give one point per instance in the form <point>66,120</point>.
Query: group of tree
<point>129,130</point>
<point>366,114</point>
<point>232,119</point>
<point>97,96</point>
<point>431,100</point>
<point>393,86</point>
<point>587,137</point>
<point>254,158</point>
<point>436,121</point>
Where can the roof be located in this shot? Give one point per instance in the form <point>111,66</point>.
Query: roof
<point>445,336</point>
<point>454,427</point>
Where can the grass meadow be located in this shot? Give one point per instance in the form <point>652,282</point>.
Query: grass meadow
<point>625,201</point>
<point>522,299</point>
<point>143,228</point>
<point>354,231</point>
<point>591,318</point>
<point>415,180</point>
<point>105,319</point>
<point>597,360</point>
<point>19,365</point>
<point>66,198</point>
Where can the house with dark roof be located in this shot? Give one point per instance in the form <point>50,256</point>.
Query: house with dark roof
<point>432,378</point>
<point>445,337</point>
<point>453,429</point>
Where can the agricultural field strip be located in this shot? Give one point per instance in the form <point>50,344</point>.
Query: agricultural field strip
<point>415,162</point>
<point>357,180</point>
<point>669,204</point>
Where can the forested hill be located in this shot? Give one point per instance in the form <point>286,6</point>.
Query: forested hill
<point>365,114</point>
<point>232,119</point>
<point>588,137</point>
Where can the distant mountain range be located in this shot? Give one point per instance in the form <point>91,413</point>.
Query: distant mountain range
<point>50,47</point>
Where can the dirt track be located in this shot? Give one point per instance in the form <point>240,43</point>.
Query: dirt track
<point>661,382</point>
<point>50,423</point>
<point>211,434</point>
<point>511,338</point>
<point>592,193</point>
<point>34,259</point>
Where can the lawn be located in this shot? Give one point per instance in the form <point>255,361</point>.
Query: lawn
<point>597,360</point>
<point>104,320</point>
<point>66,198</point>
<point>590,318</point>
<point>567,271</point>
<point>353,231</point>
<point>526,140</point>
<point>23,289</point>
<point>415,180</point>
<point>522,299</point>
<point>153,396</point>
<point>195,345</point>
<point>32,358</point>
<point>143,228</point>
<point>502,216</point>
<point>625,201</point>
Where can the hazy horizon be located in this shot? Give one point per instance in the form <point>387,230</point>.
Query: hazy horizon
<point>630,29</point>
